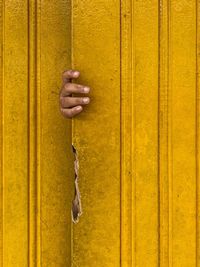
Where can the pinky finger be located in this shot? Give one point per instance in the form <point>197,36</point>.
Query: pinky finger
<point>71,112</point>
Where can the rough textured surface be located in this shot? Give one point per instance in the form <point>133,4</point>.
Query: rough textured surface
<point>76,203</point>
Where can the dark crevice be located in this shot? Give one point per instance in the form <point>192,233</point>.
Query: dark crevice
<point>76,203</point>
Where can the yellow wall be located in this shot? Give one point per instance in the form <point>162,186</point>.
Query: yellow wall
<point>137,141</point>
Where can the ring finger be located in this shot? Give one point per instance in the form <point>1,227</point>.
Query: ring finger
<point>68,102</point>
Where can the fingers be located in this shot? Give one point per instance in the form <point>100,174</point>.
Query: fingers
<point>70,88</point>
<point>71,112</point>
<point>68,75</point>
<point>68,102</point>
<point>70,105</point>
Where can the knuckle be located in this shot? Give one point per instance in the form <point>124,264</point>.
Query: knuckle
<point>70,113</point>
<point>66,113</point>
<point>67,87</point>
<point>66,72</point>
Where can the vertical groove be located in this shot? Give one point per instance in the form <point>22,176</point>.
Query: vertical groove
<point>32,132</point>
<point>159,206</point>
<point>121,121</point>
<point>133,139</point>
<point>2,8</point>
<point>170,144</point>
<point>38,133</point>
<point>72,122</point>
<point>28,126</point>
<point>28,122</point>
<point>164,138</point>
<point>197,133</point>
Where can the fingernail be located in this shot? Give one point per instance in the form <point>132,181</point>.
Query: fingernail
<point>78,108</point>
<point>86,89</point>
<point>86,100</point>
<point>76,73</point>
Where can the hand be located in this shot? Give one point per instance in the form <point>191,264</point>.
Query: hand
<point>70,105</point>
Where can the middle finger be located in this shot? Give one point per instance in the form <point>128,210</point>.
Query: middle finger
<point>70,88</point>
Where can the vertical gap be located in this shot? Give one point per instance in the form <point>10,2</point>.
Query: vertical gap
<point>168,136</point>
<point>35,135</point>
<point>32,81</point>
<point>159,206</point>
<point>120,18</point>
<point>133,139</point>
<point>197,137</point>
<point>167,133</point>
<point>124,31</point>
<point>38,124</point>
<point>2,15</point>
<point>169,140</point>
<point>72,121</point>
<point>28,126</point>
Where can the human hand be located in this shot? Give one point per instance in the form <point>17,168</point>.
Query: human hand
<point>72,105</point>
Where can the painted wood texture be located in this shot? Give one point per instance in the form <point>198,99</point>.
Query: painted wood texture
<point>36,158</point>
<point>137,141</point>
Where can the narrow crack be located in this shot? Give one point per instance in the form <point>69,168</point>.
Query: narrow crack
<point>76,203</point>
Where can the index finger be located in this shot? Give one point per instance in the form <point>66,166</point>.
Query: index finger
<point>68,75</point>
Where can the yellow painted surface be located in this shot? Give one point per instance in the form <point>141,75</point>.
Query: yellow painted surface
<point>36,159</point>
<point>137,141</point>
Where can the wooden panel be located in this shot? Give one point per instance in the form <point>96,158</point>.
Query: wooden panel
<point>14,134</point>
<point>159,131</point>
<point>56,166</point>
<point>183,82</point>
<point>96,132</point>
<point>139,184</point>
<point>36,156</point>
<point>145,117</point>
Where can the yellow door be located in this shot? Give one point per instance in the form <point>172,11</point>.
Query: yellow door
<point>137,142</point>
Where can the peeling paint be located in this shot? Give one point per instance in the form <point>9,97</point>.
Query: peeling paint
<point>76,203</point>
